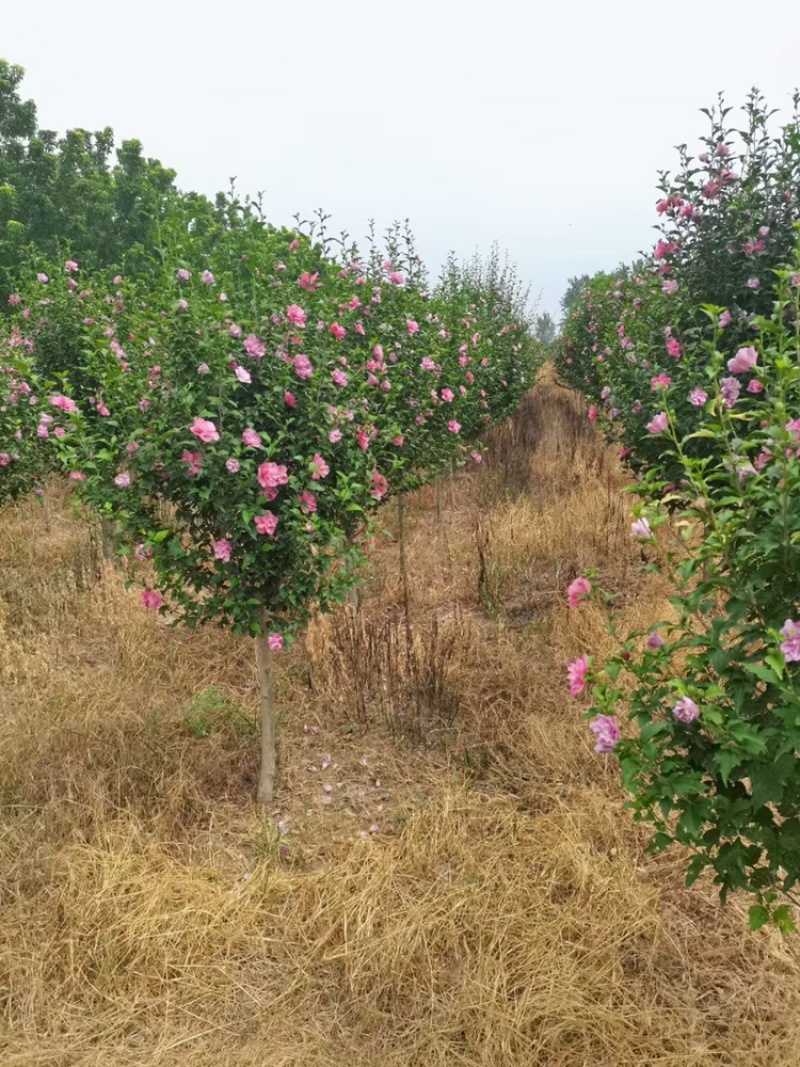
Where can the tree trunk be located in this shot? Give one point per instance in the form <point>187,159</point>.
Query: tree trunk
<point>401,537</point>
<point>266,776</point>
<point>45,499</point>
<point>354,598</point>
<point>107,539</point>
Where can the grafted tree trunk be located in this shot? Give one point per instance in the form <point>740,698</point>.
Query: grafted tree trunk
<point>266,688</point>
<point>401,538</point>
<point>107,538</point>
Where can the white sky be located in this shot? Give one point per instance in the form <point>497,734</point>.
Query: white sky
<point>541,128</point>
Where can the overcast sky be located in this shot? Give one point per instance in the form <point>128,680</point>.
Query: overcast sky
<point>540,127</point>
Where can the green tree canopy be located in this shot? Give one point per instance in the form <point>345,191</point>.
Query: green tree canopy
<point>75,192</point>
<point>574,288</point>
<point>545,329</point>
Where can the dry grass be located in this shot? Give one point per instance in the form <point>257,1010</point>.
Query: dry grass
<point>458,883</point>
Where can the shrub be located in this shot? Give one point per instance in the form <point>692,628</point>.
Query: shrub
<point>726,220</point>
<point>240,420</point>
<point>715,697</point>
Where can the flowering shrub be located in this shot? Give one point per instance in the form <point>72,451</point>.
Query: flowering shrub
<point>715,700</point>
<point>241,403</point>
<point>727,215</point>
<point>726,219</point>
<point>24,457</point>
<point>241,419</point>
<point>51,323</point>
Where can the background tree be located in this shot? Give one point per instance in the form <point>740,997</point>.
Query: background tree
<point>574,288</point>
<point>544,328</point>
<point>73,191</point>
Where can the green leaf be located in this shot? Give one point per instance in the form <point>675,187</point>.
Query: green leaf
<point>768,778</point>
<point>701,433</point>
<point>690,824</point>
<point>757,917</point>
<point>712,715</point>
<point>654,729</point>
<point>783,919</point>
<point>612,670</point>
<point>697,865</point>
<point>725,760</point>
<point>777,662</point>
<point>765,674</point>
<point>686,784</point>
<point>630,767</point>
